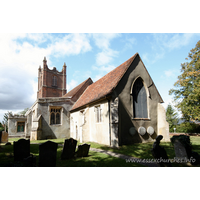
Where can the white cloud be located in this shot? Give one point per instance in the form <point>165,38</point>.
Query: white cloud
<point>103,40</point>
<point>20,57</point>
<point>102,71</point>
<point>171,41</point>
<point>129,43</point>
<point>105,56</point>
<point>73,83</point>
<point>171,73</point>
<point>103,68</point>
<point>71,44</point>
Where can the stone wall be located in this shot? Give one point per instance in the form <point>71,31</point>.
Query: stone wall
<point>13,123</point>
<point>83,124</point>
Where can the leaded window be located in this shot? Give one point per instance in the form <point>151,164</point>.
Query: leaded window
<point>55,115</point>
<point>139,99</point>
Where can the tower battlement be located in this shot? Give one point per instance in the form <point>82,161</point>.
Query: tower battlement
<point>51,83</point>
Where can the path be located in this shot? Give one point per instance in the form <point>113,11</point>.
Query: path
<point>118,155</point>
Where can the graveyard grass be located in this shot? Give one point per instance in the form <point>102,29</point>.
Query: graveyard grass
<point>95,159</point>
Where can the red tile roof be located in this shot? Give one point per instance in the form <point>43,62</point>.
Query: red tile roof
<point>103,86</point>
<point>78,88</point>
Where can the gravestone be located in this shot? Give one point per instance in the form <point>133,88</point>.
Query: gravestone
<point>4,137</point>
<point>48,154</point>
<point>83,150</point>
<point>69,148</point>
<point>180,150</point>
<point>21,149</point>
<point>183,149</point>
<point>159,152</point>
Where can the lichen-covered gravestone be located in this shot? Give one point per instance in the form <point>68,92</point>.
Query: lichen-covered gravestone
<point>83,150</point>
<point>69,149</point>
<point>48,154</point>
<point>21,149</point>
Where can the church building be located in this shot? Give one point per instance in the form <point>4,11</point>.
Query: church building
<point>123,107</point>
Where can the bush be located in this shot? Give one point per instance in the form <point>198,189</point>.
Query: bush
<point>188,127</point>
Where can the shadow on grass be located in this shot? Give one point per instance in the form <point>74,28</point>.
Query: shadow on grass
<point>94,159</point>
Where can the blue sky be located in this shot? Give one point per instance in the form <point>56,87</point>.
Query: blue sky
<point>101,36</point>
<point>86,55</point>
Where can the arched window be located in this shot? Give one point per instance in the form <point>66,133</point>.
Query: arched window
<point>139,99</point>
<point>54,81</point>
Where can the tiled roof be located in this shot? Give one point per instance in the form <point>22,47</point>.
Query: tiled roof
<point>74,91</point>
<point>103,86</point>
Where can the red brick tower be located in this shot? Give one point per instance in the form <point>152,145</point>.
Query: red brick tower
<point>51,83</point>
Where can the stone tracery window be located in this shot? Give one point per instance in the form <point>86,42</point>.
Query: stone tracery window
<point>139,99</point>
<point>55,115</point>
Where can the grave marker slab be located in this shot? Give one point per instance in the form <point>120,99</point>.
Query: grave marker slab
<point>48,154</point>
<point>21,149</point>
<point>69,148</point>
<point>83,150</point>
<point>180,150</point>
<point>4,137</point>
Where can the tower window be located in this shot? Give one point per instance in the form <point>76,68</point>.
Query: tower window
<point>54,81</point>
<point>55,115</point>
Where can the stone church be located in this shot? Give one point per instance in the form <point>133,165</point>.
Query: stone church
<point>123,107</point>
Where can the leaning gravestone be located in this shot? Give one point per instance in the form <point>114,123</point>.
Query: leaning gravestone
<point>21,149</point>
<point>48,154</point>
<point>69,148</point>
<point>83,150</point>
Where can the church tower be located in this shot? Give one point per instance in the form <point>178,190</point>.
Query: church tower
<point>51,83</point>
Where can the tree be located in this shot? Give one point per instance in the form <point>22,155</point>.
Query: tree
<point>24,111</point>
<point>171,117</point>
<point>5,119</point>
<point>187,94</point>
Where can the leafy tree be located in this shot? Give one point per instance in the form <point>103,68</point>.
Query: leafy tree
<point>24,111</point>
<point>171,117</point>
<point>187,94</point>
<point>188,127</point>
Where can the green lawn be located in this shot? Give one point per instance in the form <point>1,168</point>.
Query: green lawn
<point>95,159</point>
